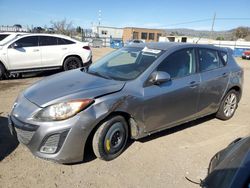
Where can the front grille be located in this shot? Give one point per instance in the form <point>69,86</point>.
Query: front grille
<point>24,136</point>
<point>23,130</point>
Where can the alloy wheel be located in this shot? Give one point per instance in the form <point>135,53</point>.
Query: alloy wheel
<point>230,105</point>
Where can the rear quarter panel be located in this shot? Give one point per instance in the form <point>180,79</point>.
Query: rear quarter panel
<point>236,76</point>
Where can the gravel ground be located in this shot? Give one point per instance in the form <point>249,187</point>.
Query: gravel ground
<point>160,160</point>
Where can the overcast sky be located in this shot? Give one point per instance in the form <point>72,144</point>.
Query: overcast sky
<point>138,13</point>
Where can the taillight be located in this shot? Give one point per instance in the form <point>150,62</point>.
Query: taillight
<point>86,47</point>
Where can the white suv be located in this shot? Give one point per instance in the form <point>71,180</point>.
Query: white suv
<point>38,52</point>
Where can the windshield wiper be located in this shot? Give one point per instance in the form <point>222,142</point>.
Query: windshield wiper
<point>99,74</point>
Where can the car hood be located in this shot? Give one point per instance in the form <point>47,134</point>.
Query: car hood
<point>70,85</point>
<point>229,164</point>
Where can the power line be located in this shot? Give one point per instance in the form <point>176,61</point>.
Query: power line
<point>206,20</point>
<point>232,18</point>
<point>195,21</point>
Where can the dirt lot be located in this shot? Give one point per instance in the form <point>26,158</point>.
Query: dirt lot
<point>161,160</point>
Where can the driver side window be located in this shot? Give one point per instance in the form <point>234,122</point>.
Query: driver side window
<point>31,41</point>
<point>179,64</point>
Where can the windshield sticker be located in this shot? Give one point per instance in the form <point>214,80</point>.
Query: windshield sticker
<point>154,51</point>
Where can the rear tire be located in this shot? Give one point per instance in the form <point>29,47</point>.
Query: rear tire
<point>110,138</point>
<point>228,105</point>
<point>2,72</point>
<point>71,63</point>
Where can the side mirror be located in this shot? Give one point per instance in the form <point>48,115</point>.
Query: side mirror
<point>159,77</point>
<point>16,45</point>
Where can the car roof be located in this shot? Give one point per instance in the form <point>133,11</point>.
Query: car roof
<point>170,45</point>
<point>46,34</point>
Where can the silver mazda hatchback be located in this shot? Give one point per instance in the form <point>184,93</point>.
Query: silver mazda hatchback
<point>128,94</point>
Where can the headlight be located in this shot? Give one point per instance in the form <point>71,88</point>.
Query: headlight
<point>62,111</point>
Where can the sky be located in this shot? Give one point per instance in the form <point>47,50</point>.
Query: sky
<point>126,13</point>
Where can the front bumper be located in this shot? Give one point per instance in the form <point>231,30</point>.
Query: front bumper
<point>69,136</point>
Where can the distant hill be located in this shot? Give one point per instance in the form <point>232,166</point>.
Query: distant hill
<point>227,35</point>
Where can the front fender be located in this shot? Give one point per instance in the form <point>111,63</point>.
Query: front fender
<point>117,104</point>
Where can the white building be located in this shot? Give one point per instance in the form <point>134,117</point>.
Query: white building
<point>107,32</point>
<point>238,46</point>
<point>14,28</point>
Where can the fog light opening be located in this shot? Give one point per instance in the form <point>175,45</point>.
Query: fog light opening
<point>51,144</point>
<point>48,149</point>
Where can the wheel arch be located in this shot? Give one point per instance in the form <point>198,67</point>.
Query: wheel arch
<point>71,55</point>
<point>5,73</point>
<point>236,88</point>
<point>1,62</point>
<point>127,117</point>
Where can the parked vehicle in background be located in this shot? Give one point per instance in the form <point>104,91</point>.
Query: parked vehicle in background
<point>134,41</point>
<point>97,42</point>
<point>131,93</point>
<point>246,54</point>
<point>39,52</point>
<point>230,168</point>
<point>7,36</point>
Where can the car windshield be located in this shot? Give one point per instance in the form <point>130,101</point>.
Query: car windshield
<point>7,40</point>
<point>3,36</point>
<point>125,64</point>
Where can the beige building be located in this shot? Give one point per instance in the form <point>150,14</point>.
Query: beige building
<point>147,35</point>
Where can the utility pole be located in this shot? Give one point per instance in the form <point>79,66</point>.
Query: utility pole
<point>212,29</point>
<point>99,20</point>
<point>99,17</point>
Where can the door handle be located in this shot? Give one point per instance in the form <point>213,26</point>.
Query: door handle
<point>193,84</point>
<point>225,74</point>
<point>36,50</point>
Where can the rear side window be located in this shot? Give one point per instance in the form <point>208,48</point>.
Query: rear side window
<point>209,60</point>
<point>62,41</point>
<point>28,41</point>
<point>47,41</point>
<point>224,57</point>
<point>179,64</point>
<point>3,36</point>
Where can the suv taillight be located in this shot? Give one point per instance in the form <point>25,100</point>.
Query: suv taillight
<point>86,47</point>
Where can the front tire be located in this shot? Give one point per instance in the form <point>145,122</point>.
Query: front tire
<point>110,138</point>
<point>72,63</point>
<point>228,105</point>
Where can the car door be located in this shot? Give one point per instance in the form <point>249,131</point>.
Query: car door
<point>51,51</point>
<point>175,101</point>
<point>24,53</point>
<point>214,80</point>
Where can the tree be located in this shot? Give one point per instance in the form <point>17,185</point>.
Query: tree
<point>62,27</point>
<point>241,32</point>
<point>18,26</point>
<point>220,38</point>
<point>78,29</point>
<point>247,37</point>
<point>38,30</point>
